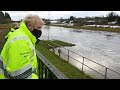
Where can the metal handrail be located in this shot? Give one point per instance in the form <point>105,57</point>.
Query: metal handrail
<point>57,74</point>
<point>85,65</point>
<point>106,68</point>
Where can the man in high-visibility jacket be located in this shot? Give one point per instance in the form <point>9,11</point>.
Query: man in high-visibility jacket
<point>14,26</point>
<point>18,55</point>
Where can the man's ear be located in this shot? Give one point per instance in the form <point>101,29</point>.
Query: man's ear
<point>29,26</point>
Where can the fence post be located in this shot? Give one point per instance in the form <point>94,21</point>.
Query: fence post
<point>39,68</point>
<point>49,75</point>
<point>105,73</point>
<point>41,73</point>
<point>82,64</point>
<point>68,55</point>
<point>45,72</point>
<point>59,51</point>
<point>53,50</point>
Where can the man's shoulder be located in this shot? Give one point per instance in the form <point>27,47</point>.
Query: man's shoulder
<point>16,35</point>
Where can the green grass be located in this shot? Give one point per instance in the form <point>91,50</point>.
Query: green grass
<point>67,69</point>
<point>56,43</point>
<point>4,29</point>
<point>92,28</point>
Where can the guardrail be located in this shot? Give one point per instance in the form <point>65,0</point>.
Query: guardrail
<point>83,61</point>
<point>46,70</point>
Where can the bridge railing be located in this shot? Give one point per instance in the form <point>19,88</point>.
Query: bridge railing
<point>83,62</point>
<point>46,70</point>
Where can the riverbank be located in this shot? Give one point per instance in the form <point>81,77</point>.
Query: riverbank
<point>92,28</point>
<point>67,69</point>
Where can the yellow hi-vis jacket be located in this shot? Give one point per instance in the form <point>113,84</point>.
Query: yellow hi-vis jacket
<point>19,56</point>
<point>11,31</point>
<point>1,62</point>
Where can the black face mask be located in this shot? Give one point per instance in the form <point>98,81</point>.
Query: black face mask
<point>16,28</point>
<point>37,34</point>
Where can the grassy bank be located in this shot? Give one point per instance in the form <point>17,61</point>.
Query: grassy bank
<point>92,28</point>
<point>4,29</point>
<point>66,68</point>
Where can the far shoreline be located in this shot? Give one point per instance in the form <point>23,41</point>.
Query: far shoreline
<point>108,29</point>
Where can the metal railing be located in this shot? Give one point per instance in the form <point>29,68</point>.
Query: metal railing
<point>83,61</point>
<point>46,70</point>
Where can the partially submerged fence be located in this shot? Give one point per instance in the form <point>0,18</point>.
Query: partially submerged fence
<point>83,62</point>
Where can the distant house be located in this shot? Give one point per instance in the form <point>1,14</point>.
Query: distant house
<point>90,22</point>
<point>63,22</point>
<point>78,23</point>
<point>70,22</point>
<point>112,23</point>
<point>54,22</point>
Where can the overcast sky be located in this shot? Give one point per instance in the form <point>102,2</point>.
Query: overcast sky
<point>18,15</point>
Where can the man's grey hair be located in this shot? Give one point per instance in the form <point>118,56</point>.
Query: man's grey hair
<point>31,19</point>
